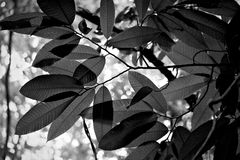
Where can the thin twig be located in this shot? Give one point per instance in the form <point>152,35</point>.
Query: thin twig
<point>8,121</point>
<point>90,139</point>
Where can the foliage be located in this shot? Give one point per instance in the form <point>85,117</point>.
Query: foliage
<point>201,38</point>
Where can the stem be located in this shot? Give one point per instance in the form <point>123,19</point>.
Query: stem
<point>8,120</point>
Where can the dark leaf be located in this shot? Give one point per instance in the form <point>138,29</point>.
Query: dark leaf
<point>82,52</point>
<point>180,135</point>
<point>107,15</point>
<point>102,112</point>
<point>134,37</point>
<point>183,30</point>
<point>121,110</point>
<point>153,134</point>
<point>70,115</point>
<point>41,115</point>
<point>159,5</point>
<point>206,23</point>
<point>225,148</point>
<point>141,6</point>
<point>164,41</point>
<point>45,86</point>
<point>44,53</point>
<point>155,98</point>
<point>89,69</point>
<point>145,151</point>
<point>194,141</point>
<point>62,10</point>
<point>141,94</point>
<point>83,27</point>
<point>60,96</point>
<point>66,49</point>
<point>128,130</point>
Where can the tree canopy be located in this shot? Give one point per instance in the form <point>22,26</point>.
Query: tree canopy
<point>194,44</point>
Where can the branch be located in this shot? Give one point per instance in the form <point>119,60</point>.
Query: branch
<point>148,53</point>
<point>8,122</point>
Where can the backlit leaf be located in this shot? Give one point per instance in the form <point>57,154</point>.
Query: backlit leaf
<point>128,130</point>
<point>70,115</point>
<point>44,86</point>
<point>155,99</point>
<point>89,69</point>
<point>141,6</point>
<point>156,132</point>
<point>62,10</point>
<point>41,115</point>
<point>120,109</point>
<point>144,152</point>
<point>183,86</point>
<point>141,94</point>
<point>134,37</point>
<point>107,15</point>
<point>102,112</point>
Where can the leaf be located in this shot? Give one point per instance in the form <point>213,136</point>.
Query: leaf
<point>206,23</point>
<point>55,32</point>
<point>194,141</point>
<point>141,6</point>
<point>145,151</point>
<point>184,32</point>
<point>180,135</point>
<point>62,10</point>
<point>226,148</point>
<point>134,37</point>
<point>128,130</point>
<point>44,53</point>
<point>44,86</point>
<point>159,5</point>
<point>183,54</point>
<point>82,26</point>
<point>164,41</point>
<point>141,94</point>
<point>102,112</point>
<point>155,133</point>
<point>120,109</point>
<point>183,86</point>
<point>89,69</point>
<point>41,115</point>
<point>70,115</point>
<point>202,113</point>
<point>63,66</point>
<point>65,49</point>
<point>82,52</point>
<point>107,15</point>
<point>155,98</point>
<point>60,96</point>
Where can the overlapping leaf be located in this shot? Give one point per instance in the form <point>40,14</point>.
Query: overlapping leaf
<point>180,135</point>
<point>184,54</point>
<point>134,37</point>
<point>46,58</point>
<point>145,151</point>
<point>120,109</point>
<point>70,115</point>
<point>107,15</point>
<point>45,86</point>
<point>128,130</point>
<point>183,86</point>
<point>141,94</point>
<point>158,5</point>
<point>89,69</point>
<point>41,115</point>
<point>156,132</point>
<point>102,112</point>
<point>62,10</point>
<point>206,23</point>
<point>141,6</point>
<point>155,98</point>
